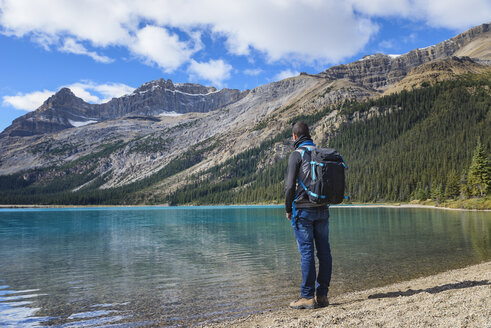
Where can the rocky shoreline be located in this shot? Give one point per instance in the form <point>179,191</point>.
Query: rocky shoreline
<point>457,298</point>
<point>20,206</point>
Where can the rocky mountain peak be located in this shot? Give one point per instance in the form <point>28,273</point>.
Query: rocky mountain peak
<point>194,88</point>
<point>475,31</point>
<point>168,85</point>
<point>65,92</point>
<point>64,98</point>
<point>61,111</point>
<point>155,84</point>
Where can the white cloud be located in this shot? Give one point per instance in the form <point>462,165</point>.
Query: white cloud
<point>71,46</point>
<point>99,93</point>
<point>451,14</point>
<point>27,101</point>
<point>112,90</point>
<point>253,72</point>
<point>215,71</point>
<point>155,45</point>
<point>45,41</point>
<point>168,33</point>
<point>87,90</point>
<point>81,90</point>
<point>383,7</point>
<point>101,22</point>
<point>307,30</point>
<point>285,74</point>
<point>455,14</point>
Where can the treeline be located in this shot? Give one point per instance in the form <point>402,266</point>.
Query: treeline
<point>474,182</point>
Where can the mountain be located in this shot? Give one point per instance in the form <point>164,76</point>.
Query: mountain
<point>378,71</point>
<point>230,146</point>
<point>64,110</point>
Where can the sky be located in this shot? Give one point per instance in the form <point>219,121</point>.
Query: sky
<point>105,49</point>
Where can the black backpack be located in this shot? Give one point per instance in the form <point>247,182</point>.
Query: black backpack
<point>327,176</point>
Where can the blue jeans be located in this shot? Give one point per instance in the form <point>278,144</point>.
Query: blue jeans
<point>312,226</point>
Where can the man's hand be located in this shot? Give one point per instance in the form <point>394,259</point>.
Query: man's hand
<point>289,216</point>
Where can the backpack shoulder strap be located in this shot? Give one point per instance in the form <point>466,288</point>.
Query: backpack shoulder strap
<point>303,149</point>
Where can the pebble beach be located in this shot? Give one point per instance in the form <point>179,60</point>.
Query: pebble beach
<point>457,298</point>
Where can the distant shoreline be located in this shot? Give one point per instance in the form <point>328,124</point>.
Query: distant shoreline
<point>368,205</point>
<point>411,206</point>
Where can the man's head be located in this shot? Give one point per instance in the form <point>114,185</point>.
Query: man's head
<point>300,129</point>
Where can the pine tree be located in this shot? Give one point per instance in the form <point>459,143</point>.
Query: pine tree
<point>479,177</point>
<point>453,185</point>
<point>437,192</point>
<point>464,187</point>
<point>419,193</point>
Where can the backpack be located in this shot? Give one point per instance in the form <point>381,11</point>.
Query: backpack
<point>327,181</point>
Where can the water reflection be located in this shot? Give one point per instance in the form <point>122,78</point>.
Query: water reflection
<point>14,311</point>
<point>172,266</point>
<point>384,245</point>
<point>478,232</point>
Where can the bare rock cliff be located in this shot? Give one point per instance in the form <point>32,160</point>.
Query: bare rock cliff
<point>379,71</point>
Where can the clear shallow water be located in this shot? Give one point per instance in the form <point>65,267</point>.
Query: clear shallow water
<point>130,267</point>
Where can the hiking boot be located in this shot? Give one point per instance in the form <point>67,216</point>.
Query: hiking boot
<point>322,301</point>
<point>303,303</point>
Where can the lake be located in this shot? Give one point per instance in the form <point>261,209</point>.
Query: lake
<point>144,266</point>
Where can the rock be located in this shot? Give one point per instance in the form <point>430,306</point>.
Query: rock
<point>380,71</point>
<point>54,115</point>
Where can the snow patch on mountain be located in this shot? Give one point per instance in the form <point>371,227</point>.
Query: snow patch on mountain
<point>173,113</point>
<point>81,123</point>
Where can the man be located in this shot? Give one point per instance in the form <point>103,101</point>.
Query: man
<point>310,224</point>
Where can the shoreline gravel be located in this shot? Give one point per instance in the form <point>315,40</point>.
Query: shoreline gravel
<point>456,298</point>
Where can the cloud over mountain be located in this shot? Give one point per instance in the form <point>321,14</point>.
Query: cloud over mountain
<point>215,71</point>
<point>169,34</point>
<point>87,90</point>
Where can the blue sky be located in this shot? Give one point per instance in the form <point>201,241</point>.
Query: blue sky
<point>104,49</point>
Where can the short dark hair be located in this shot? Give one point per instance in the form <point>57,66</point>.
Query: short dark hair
<point>300,129</point>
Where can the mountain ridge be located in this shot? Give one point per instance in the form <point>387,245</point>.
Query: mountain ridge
<point>388,69</point>
<point>59,111</point>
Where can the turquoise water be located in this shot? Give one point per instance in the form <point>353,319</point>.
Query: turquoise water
<point>144,266</point>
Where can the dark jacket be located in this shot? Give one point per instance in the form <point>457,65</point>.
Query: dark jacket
<point>298,168</point>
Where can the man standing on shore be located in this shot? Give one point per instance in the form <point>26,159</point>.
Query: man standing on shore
<point>310,224</point>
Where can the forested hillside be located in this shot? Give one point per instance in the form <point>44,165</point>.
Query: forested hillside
<point>413,150</point>
<point>417,141</point>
